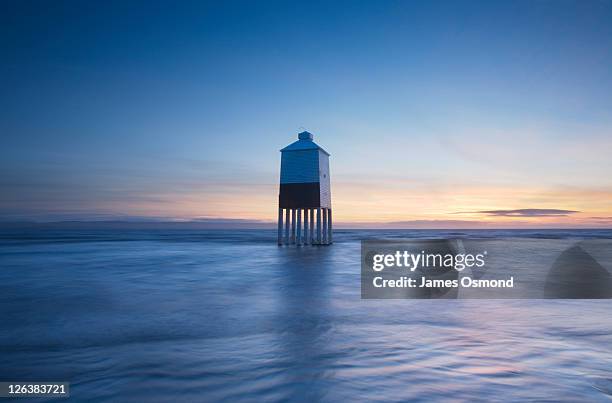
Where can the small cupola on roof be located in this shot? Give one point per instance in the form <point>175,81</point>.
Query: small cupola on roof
<point>304,188</point>
<point>305,142</point>
<point>305,136</point>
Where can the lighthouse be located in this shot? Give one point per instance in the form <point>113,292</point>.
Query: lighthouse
<point>304,199</point>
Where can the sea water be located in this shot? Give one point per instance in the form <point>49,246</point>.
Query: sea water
<point>189,315</point>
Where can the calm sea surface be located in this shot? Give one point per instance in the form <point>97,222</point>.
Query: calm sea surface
<point>161,316</point>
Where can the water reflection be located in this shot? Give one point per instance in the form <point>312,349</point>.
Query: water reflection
<point>303,323</point>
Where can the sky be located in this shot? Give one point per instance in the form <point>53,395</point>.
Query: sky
<point>436,114</point>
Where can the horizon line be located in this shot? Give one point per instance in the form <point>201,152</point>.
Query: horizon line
<point>247,224</point>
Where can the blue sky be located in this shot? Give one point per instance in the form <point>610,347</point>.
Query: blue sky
<point>431,110</point>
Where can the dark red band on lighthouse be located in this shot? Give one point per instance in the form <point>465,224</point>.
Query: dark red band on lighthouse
<point>299,195</point>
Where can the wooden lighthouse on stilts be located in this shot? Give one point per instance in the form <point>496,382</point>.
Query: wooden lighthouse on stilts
<point>304,199</point>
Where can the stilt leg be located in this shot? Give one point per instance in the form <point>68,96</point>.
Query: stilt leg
<point>292,226</point>
<point>312,226</point>
<point>325,226</point>
<point>287,239</point>
<point>329,226</point>
<point>299,227</point>
<point>280,226</point>
<point>306,236</point>
<point>319,226</point>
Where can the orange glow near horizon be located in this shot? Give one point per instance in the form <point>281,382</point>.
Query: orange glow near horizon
<point>397,204</point>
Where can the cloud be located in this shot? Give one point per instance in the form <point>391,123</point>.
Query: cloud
<point>602,220</point>
<point>526,212</point>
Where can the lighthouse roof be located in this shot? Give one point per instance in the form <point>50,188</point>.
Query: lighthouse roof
<point>304,142</point>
